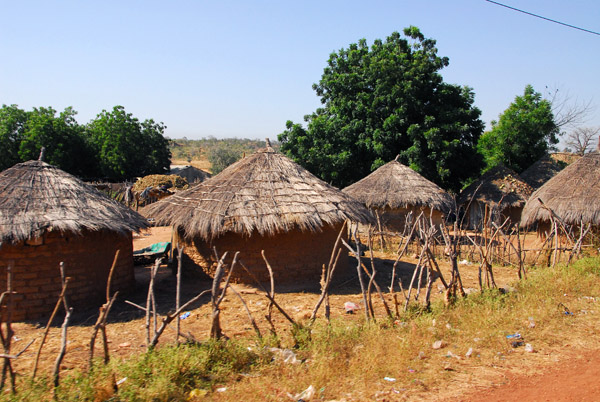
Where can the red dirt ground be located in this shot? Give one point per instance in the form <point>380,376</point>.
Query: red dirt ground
<point>574,378</point>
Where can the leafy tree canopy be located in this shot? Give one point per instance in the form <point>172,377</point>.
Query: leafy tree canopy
<point>524,133</point>
<point>126,147</point>
<point>383,101</point>
<point>12,126</point>
<point>62,137</point>
<point>114,146</point>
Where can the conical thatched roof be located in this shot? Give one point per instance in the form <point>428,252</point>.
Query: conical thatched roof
<point>498,185</point>
<point>395,185</point>
<point>36,197</point>
<point>573,194</point>
<point>265,192</point>
<point>190,173</point>
<point>542,171</point>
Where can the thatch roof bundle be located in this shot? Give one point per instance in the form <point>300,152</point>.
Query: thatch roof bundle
<point>499,186</point>
<point>573,194</point>
<point>542,171</point>
<point>265,193</point>
<point>395,185</point>
<point>36,197</point>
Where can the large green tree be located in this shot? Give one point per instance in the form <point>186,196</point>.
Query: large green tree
<point>126,147</point>
<point>61,135</point>
<point>383,101</point>
<point>524,133</point>
<point>12,126</point>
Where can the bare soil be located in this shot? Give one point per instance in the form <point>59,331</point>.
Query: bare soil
<point>573,377</point>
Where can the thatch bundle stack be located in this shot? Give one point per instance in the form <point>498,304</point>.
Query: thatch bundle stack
<point>172,182</point>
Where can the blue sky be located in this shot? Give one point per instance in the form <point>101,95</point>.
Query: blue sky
<point>243,68</point>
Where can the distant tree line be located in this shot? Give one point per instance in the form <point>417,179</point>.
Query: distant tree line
<point>114,146</point>
<point>219,152</point>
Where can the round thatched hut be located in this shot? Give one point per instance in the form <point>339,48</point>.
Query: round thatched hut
<point>572,195</point>
<point>48,216</point>
<point>394,190</point>
<point>546,168</point>
<point>261,202</point>
<point>500,192</point>
<point>192,174</point>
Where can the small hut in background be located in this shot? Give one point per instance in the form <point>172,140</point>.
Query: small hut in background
<point>48,216</point>
<point>499,194</point>
<point>542,171</point>
<point>261,202</point>
<point>192,174</point>
<point>547,167</point>
<point>394,190</point>
<point>573,195</point>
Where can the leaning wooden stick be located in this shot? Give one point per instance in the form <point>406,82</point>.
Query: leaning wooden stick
<point>101,326</point>
<point>47,329</point>
<point>150,298</point>
<point>329,272</point>
<point>178,289</point>
<point>217,298</point>
<point>103,316</point>
<point>268,295</point>
<point>170,317</point>
<point>7,338</point>
<point>63,348</point>
<point>250,317</point>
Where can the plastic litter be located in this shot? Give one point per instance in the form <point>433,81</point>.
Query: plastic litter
<point>565,308</point>
<point>390,379</point>
<point>121,381</point>
<point>285,355</point>
<point>185,315</point>
<point>531,322</point>
<point>222,389</point>
<point>351,307</point>
<point>516,344</point>
<point>529,348</point>
<point>422,355</point>
<point>469,352</point>
<point>305,395</point>
<point>438,344</point>
<point>514,336</point>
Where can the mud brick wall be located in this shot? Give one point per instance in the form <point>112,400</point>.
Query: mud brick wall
<point>295,257</point>
<point>87,257</point>
<point>394,219</point>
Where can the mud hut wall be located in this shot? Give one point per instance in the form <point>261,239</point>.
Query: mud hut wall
<point>87,257</point>
<point>476,215</point>
<point>514,213</point>
<point>296,256</point>
<point>395,219</point>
